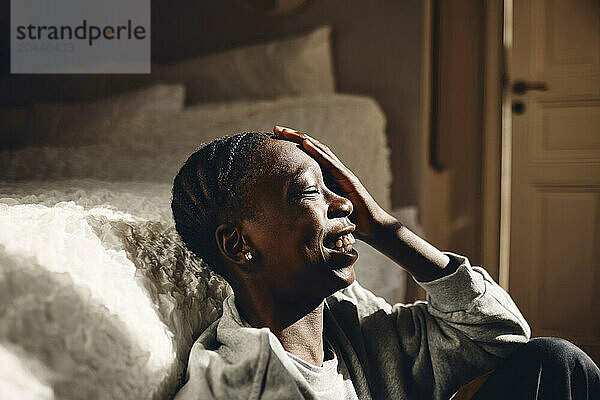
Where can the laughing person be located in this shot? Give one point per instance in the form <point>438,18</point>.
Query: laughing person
<point>276,216</point>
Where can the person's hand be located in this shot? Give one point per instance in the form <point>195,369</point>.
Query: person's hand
<point>367,214</point>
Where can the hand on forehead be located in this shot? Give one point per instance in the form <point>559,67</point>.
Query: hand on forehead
<point>280,156</point>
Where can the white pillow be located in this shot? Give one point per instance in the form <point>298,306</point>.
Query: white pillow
<point>98,304</point>
<point>297,66</point>
<point>66,123</point>
<point>153,147</point>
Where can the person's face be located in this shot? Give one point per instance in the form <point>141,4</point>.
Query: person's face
<point>298,226</point>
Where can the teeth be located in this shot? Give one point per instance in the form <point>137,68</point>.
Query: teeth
<point>345,242</point>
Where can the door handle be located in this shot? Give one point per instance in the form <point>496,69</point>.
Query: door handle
<point>522,87</point>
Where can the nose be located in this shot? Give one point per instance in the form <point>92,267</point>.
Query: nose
<point>339,206</point>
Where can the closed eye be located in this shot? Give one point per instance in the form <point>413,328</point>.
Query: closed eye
<point>310,192</point>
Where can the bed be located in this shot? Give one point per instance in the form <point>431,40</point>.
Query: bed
<point>99,298</point>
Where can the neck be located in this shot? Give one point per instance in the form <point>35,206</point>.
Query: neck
<point>304,338</point>
<point>298,326</point>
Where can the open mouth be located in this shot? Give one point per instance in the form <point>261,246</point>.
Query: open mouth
<point>340,243</point>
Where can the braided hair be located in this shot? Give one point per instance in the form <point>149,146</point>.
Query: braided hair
<point>210,189</point>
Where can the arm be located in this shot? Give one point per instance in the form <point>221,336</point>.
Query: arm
<point>466,327</point>
<point>418,257</point>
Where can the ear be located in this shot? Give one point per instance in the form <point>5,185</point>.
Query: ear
<point>233,245</point>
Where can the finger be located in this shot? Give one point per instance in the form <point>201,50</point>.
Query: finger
<point>294,135</point>
<point>290,134</point>
<point>283,131</point>
<point>298,137</point>
<point>326,149</point>
<point>337,169</point>
<point>318,150</point>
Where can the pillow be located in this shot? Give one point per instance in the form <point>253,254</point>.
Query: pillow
<point>98,304</point>
<point>297,66</point>
<point>65,124</point>
<point>152,147</point>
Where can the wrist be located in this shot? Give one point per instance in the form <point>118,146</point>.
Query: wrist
<point>384,225</point>
<point>421,259</point>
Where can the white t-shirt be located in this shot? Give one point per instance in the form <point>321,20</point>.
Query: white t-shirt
<point>330,381</point>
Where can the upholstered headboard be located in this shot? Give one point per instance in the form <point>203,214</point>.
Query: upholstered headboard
<point>377,52</point>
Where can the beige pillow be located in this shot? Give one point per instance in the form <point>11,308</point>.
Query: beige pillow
<point>300,65</point>
<point>66,124</point>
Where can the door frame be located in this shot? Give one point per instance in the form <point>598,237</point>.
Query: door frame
<point>496,142</point>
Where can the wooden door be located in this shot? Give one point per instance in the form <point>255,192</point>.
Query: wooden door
<point>554,263</point>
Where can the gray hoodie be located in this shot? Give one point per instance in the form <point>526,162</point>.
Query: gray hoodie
<point>425,350</point>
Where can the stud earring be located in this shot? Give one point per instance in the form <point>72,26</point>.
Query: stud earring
<point>248,256</point>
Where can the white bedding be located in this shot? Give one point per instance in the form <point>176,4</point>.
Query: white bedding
<point>146,200</point>
<point>98,296</point>
<point>109,303</point>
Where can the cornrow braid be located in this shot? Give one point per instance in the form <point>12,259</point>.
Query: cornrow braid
<point>211,188</point>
